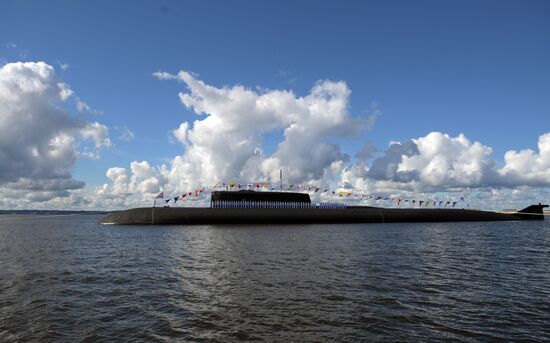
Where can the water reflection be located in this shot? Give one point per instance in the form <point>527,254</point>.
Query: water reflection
<point>71,279</point>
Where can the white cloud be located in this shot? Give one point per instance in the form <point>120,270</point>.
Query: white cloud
<point>64,91</point>
<point>435,162</point>
<point>181,133</point>
<point>93,155</point>
<point>438,162</point>
<point>119,183</point>
<point>161,75</point>
<point>226,140</point>
<point>225,143</point>
<point>527,166</point>
<point>445,161</point>
<point>125,133</point>
<point>143,180</point>
<point>97,132</point>
<point>38,139</point>
<point>81,106</point>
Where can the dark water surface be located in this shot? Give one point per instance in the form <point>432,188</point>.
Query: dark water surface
<point>66,278</point>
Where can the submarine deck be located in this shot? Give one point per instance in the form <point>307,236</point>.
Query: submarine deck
<point>190,216</point>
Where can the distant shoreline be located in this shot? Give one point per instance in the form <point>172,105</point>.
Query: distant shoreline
<point>50,212</point>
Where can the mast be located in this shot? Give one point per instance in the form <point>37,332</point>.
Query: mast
<point>281,178</point>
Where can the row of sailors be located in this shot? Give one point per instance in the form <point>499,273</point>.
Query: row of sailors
<point>272,204</point>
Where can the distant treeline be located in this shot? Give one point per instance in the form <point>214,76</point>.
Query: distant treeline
<point>49,212</point>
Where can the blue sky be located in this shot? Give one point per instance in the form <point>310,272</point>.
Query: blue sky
<point>475,67</point>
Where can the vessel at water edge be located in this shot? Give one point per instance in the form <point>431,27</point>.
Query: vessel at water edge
<point>249,207</point>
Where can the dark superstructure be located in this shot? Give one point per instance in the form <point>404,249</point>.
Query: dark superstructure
<point>252,196</point>
<point>247,207</point>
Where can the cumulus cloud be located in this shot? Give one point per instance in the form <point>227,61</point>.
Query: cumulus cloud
<point>64,91</point>
<point>38,138</point>
<point>387,167</point>
<point>181,132</point>
<point>97,132</point>
<point>366,152</point>
<point>527,166</point>
<point>439,162</point>
<point>445,161</point>
<point>143,179</point>
<point>225,142</point>
<point>431,163</point>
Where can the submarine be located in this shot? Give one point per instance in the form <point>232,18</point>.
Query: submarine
<point>252,207</point>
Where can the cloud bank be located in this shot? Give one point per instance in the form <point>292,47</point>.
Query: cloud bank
<point>226,142</point>
<point>439,163</point>
<point>40,141</point>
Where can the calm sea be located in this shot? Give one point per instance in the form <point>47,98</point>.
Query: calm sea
<point>66,278</point>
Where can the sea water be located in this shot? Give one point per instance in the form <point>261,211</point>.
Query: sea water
<point>67,278</point>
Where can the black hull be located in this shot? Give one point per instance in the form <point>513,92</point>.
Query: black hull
<point>192,216</point>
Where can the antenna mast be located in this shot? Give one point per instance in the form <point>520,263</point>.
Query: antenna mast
<point>281,178</point>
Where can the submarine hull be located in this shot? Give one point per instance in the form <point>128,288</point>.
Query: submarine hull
<point>193,216</point>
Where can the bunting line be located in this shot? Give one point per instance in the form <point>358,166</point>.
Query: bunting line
<point>266,187</point>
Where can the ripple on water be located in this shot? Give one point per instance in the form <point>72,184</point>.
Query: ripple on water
<point>69,279</point>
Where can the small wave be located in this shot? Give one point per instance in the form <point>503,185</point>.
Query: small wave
<point>72,280</point>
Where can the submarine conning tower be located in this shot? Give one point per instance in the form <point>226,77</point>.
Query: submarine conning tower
<point>253,199</point>
<point>248,195</point>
